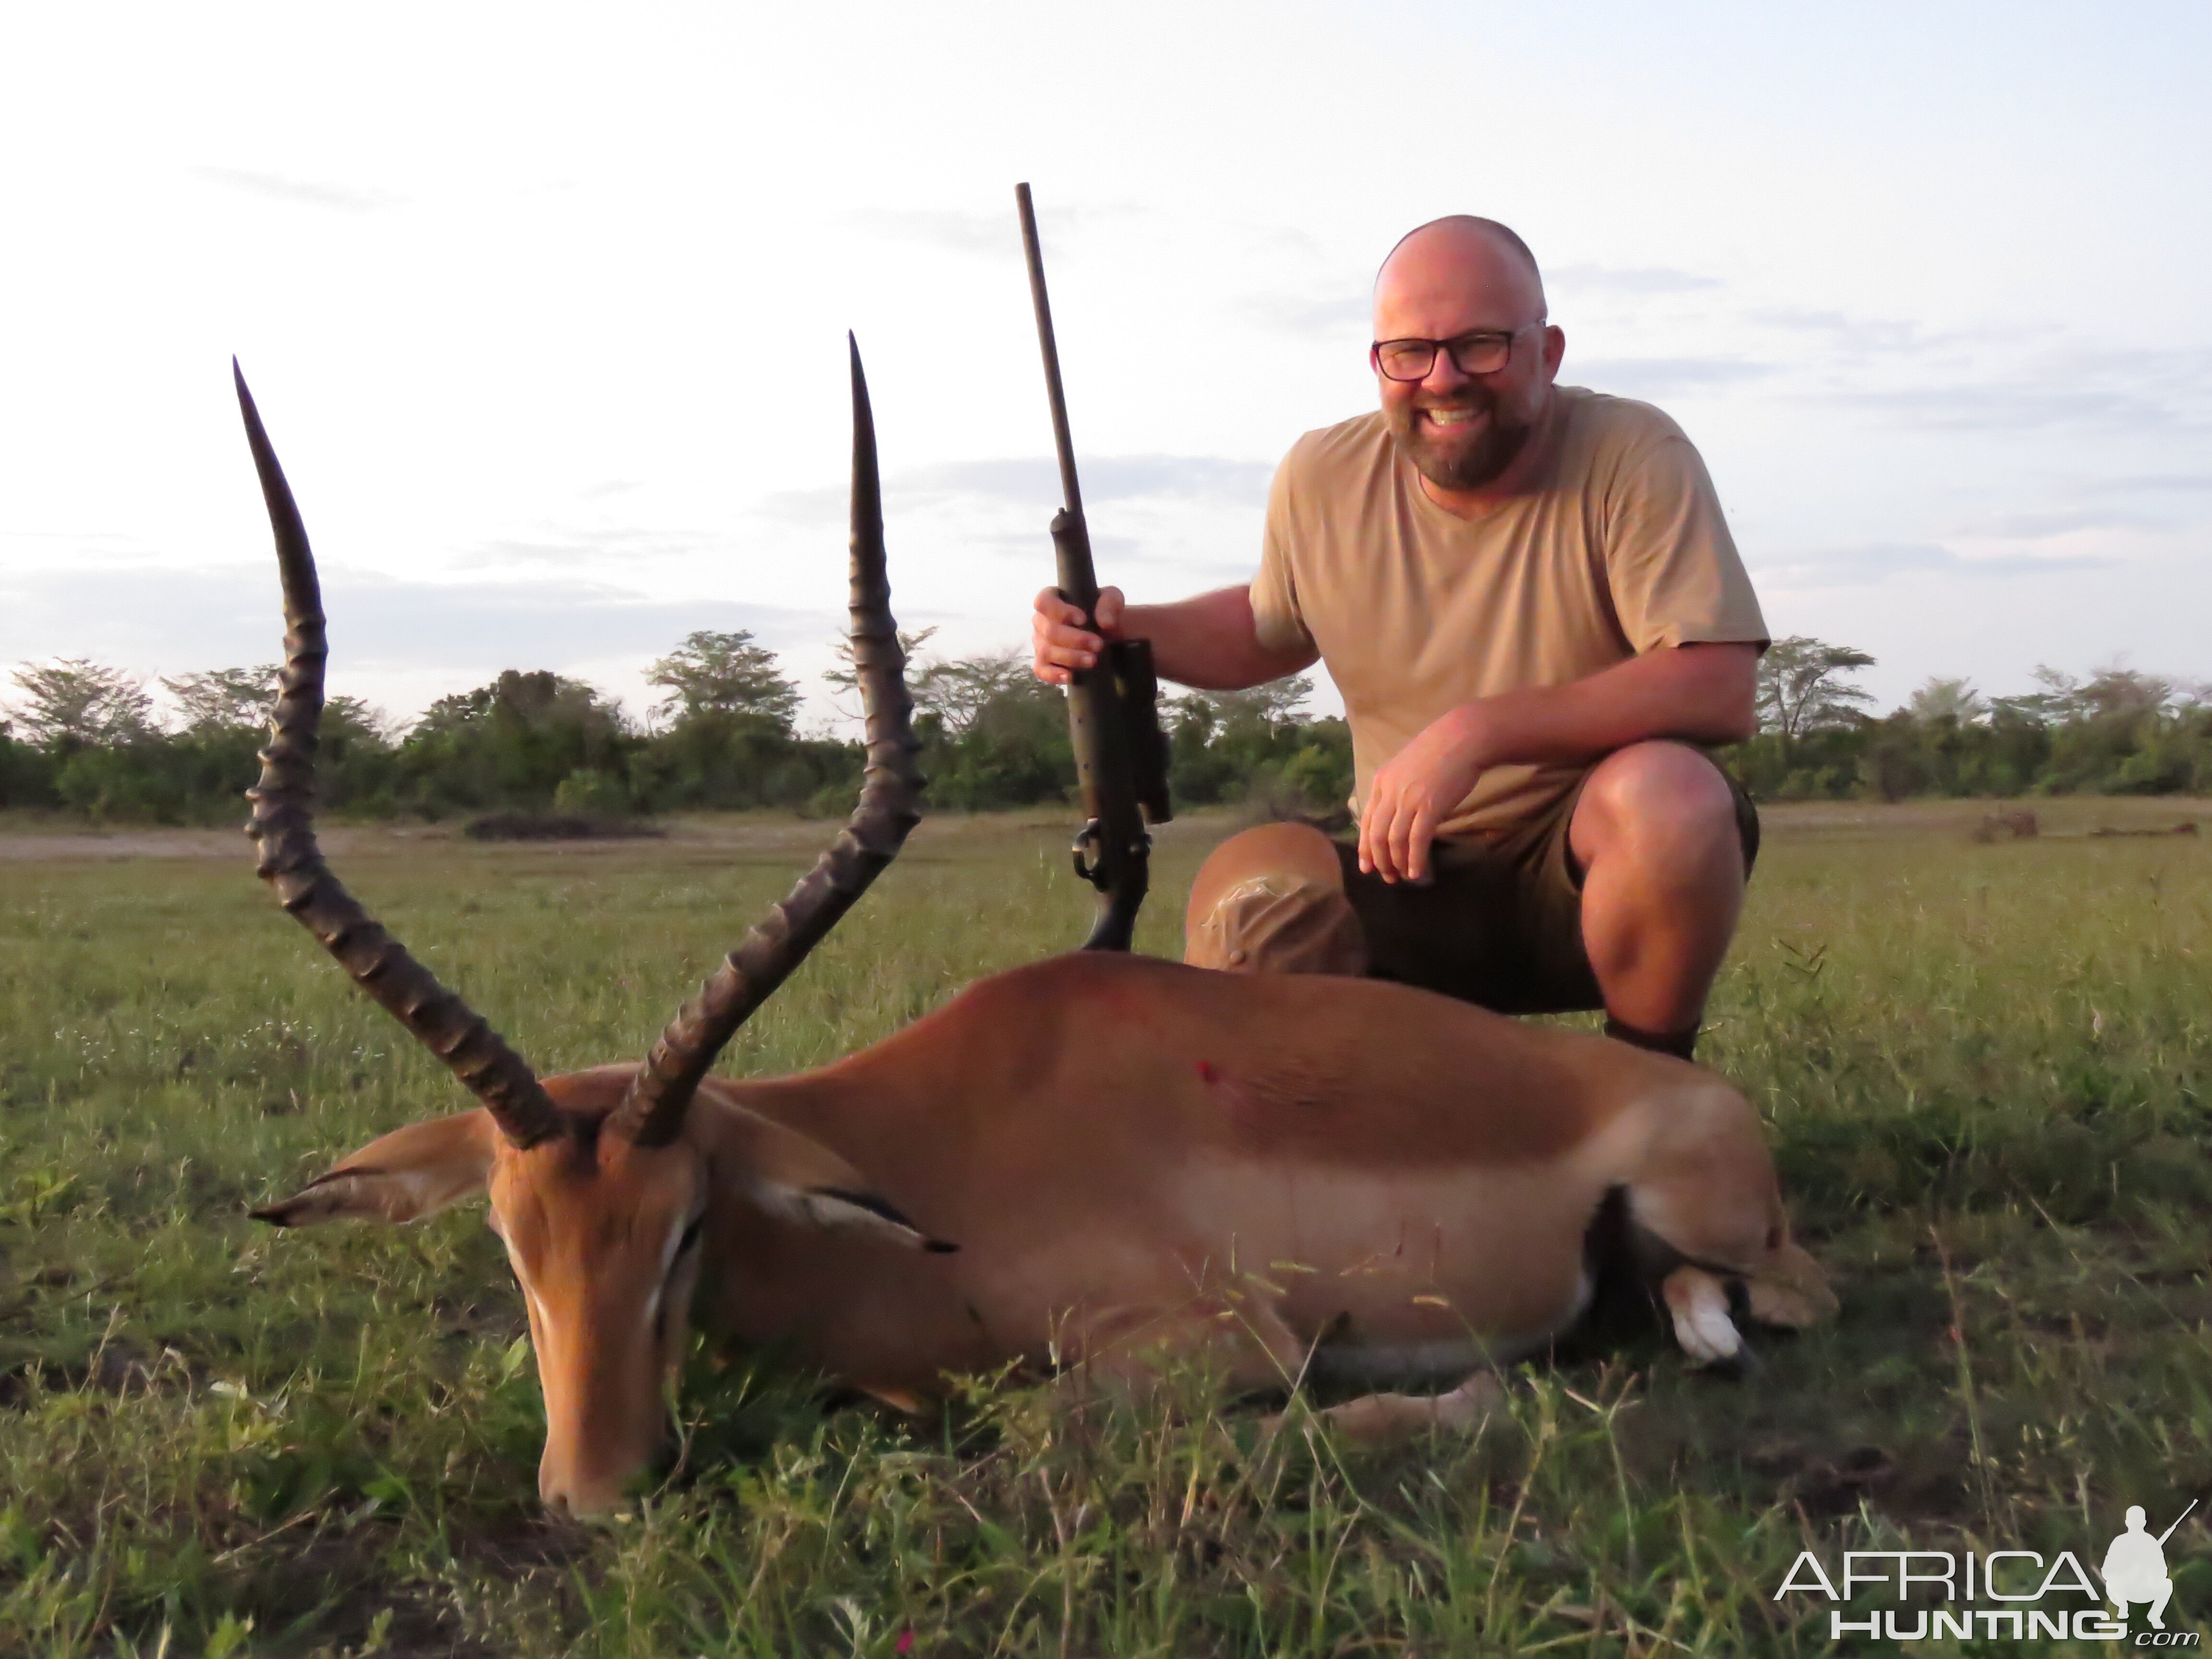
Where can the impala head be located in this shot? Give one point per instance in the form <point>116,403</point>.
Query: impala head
<point>600,1182</point>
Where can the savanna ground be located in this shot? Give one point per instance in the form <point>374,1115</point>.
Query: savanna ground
<point>1985,1067</point>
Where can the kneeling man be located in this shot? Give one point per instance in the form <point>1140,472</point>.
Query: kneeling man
<point>1528,598</point>
<point>2135,1571</point>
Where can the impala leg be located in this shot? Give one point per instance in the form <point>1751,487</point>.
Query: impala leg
<point>1391,1419</point>
<point>1699,1303</point>
<point>1131,1351</point>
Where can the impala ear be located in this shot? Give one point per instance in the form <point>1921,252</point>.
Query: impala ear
<point>403,1176</point>
<point>795,1178</point>
<point>837,1209</point>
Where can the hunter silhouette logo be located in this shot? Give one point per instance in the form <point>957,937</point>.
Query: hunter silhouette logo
<point>1938,1594</point>
<point>2135,1567</point>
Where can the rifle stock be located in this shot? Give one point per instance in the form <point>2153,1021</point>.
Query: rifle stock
<point>1113,719</point>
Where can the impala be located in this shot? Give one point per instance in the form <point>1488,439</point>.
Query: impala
<point>1086,1162</point>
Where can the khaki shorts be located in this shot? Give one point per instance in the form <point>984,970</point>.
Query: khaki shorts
<point>1500,923</point>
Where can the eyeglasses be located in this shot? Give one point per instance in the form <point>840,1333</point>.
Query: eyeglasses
<point>1485,351</point>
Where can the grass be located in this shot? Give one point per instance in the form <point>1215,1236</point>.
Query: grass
<point>1985,1067</point>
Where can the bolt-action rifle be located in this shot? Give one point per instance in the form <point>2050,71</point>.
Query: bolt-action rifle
<point>1113,712</point>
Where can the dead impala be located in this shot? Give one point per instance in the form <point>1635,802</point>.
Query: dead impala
<point>1092,1160</point>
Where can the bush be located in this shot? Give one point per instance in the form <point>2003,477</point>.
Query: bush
<point>590,791</point>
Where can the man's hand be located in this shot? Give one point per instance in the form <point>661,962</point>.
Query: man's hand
<point>1413,793</point>
<point>1059,642</point>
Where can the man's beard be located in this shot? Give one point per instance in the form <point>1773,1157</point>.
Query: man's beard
<point>1503,440</point>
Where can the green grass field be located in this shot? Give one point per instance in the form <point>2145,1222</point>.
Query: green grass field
<point>1985,1067</point>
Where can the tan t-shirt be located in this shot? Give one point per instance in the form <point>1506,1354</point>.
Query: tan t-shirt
<point>1617,547</point>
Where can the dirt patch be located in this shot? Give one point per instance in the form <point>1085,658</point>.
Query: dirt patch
<point>556,826</point>
<point>229,845</point>
<point>2064,816</point>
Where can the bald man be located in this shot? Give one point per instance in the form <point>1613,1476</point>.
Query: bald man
<point>1528,598</point>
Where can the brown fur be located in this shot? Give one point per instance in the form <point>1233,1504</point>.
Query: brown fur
<point>1126,1156</point>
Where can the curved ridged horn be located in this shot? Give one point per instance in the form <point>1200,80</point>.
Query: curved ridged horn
<point>283,834</point>
<point>651,1111</point>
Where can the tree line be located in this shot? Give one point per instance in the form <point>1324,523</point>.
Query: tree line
<point>91,741</point>
<point>83,739</point>
<point>2117,732</point>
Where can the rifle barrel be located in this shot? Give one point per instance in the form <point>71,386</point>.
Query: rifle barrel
<point>1070,492</point>
<point>2177,1520</point>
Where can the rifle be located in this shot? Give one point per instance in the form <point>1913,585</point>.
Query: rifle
<point>2177,1520</point>
<point>1113,713</point>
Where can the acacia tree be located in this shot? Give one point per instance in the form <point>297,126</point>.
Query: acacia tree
<point>961,692</point>
<point>844,680</point>
<point>1263,707</point>
<point>714,673</point>
<point>74,702</point>
<point>1940,699</point>
<point>224,699</point>
<point>1804,685</point>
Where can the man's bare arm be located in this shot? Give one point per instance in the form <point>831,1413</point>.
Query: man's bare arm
<point>1696,693</point>
<point>1208,641</point>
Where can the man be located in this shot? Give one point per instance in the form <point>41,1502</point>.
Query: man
<point>1530,599</point>
<point>2135,1571</point>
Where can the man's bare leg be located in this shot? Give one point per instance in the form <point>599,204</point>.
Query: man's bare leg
<point>1662,883</point>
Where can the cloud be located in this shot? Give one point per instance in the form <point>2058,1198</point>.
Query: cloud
<point>992,235</point>
<point>611,546</point>
<point>1033,482</point>
<point>1856,335</point>
<point>2041,527</point>
<point>1864,565</point>
<point>156,619</point>
<point>956,230</point>
<point>1639,281</point>
<point>2015,407</point>
<point>1664,377</point>
<point>1104,478</point>
<point>1303,314</point>
<point>2141,482</point>
<point>346,198</point>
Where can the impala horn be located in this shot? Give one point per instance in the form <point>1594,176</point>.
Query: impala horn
<point>283,834</point>
<point>652,1110</point>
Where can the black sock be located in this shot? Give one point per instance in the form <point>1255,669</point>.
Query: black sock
<point>1683,1045</point>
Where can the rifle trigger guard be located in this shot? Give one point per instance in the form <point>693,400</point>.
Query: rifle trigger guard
<point>1088,841</point>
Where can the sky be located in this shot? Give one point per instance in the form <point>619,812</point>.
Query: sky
<point>545,308</point>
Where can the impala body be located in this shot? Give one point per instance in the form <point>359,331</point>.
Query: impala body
<point>1089,1161</point>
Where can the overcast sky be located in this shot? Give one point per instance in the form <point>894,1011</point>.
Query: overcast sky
<point>545,306</point>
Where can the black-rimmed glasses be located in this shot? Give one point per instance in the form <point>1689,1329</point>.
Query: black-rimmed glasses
<point>1483,351</point>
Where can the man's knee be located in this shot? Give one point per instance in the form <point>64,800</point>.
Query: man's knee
<point>1661,803</point>
<point>1270,901</point>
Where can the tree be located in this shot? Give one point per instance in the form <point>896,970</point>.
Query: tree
<point>513,743</point>
<point>712,673</point>
<point>961,692</point>
<point>844,681</point>
<point>1940,699</point>
<point>1265,707</point>
<point>1804,686</point>
<point>2117,693</point>
<point>224,699</point>
<point>537,699</point>
<point>72,703</point>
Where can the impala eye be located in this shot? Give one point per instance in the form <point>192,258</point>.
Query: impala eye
<point>690,1236</point>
